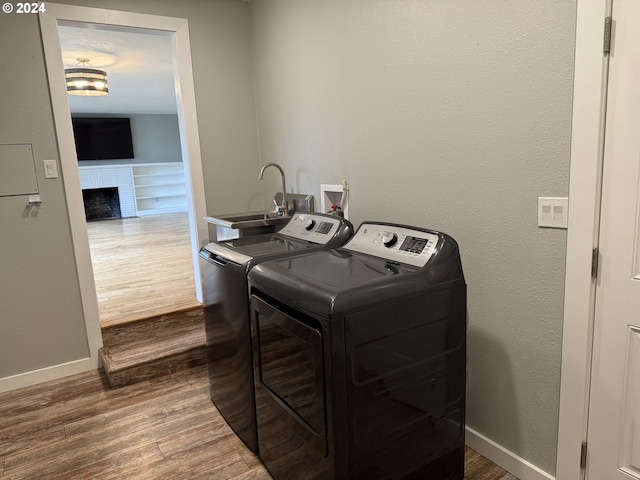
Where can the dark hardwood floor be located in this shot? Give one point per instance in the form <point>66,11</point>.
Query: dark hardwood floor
<point>165,428</point>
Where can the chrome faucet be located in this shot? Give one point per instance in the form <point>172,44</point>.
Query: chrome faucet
<point>281,209</point>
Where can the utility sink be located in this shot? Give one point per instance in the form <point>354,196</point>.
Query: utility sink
<point>247,219</point>
<point>235,225</point>
<point>244,224</point>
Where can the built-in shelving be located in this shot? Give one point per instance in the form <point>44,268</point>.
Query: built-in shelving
<point>159,188</point>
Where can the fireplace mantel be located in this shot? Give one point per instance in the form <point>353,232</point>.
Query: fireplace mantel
<point>144,188</point>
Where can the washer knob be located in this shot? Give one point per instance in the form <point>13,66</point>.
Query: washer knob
<point>389,239</point>
<point>309,224</point>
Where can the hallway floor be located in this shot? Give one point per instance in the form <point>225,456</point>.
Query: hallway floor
<point>79,428</point>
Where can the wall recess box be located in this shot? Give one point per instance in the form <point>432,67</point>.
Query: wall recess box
<point>331,195</point>
<point>553,212</point>
<point>18,170</point>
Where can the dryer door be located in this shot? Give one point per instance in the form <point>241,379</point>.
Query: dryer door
<point>290,385</point>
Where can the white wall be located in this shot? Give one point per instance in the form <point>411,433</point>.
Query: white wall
<point>454,115</point>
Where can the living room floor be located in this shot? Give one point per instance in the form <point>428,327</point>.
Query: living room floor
<point>143,266</point>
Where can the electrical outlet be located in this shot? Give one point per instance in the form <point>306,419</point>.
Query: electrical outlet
<point>553,212</point>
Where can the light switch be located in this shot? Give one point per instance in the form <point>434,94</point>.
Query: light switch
<point>544,216</point>
<point>50,169</point>
<point>553,212</point>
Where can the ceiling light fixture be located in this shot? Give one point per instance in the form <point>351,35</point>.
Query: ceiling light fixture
<point>86,81</point>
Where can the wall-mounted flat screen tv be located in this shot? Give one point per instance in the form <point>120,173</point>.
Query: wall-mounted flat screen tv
<point>103,138</point>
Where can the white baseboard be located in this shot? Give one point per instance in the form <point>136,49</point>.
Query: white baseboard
<point>501,456</point>
<point>43,375</point>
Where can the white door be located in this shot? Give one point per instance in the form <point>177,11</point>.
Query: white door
<point>614,416</point>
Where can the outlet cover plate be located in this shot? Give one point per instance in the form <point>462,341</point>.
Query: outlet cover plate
<point>553,212</point>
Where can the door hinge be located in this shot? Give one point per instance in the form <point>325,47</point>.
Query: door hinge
<point>595,260</point>
<point>606,47</point>
<point>583,456</point>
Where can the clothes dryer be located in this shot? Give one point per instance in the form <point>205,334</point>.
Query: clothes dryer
<point>224,266</point>
<point>360,358</point>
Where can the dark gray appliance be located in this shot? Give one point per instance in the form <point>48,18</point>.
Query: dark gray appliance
<point>224,266</point>
<point>360,357</point>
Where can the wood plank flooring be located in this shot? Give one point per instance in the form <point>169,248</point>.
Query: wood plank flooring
<point>142,266</point>
<point>166,428</point>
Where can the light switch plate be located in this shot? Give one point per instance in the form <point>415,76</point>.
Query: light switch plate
<point>50,169</point>
<point>553,212</point>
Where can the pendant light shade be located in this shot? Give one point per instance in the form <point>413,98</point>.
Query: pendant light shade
<point>82,80</point>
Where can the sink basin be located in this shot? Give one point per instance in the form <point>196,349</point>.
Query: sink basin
<point>247,219</point>
<point>244,224</point>
<point>236,225</point>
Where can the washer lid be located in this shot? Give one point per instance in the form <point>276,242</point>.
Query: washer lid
<point>334,282</point>
<point>243,250</point>
<point>331,283</point>
<point>339,270</point>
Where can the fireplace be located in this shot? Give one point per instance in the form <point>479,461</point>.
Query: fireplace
<point>101,203</point>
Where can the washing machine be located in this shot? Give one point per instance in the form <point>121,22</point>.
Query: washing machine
<point>360,358</point>
<point>224,266</point>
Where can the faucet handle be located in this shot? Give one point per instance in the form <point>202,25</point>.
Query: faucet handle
<point>278,208</point>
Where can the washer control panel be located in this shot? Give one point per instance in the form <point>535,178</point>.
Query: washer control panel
<point>395,243</point>
<point>314,228</point>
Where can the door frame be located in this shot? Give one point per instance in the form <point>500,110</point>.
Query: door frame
<point>587,143</point>
<point>189,139</point>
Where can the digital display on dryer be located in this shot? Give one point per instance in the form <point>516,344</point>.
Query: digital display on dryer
<point>413,245</point>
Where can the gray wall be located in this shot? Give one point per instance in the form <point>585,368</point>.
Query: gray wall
<point>454,115</point>
<point>225,100</point>
<point>156,138</point>
<point>41,320</point>
<point>450,114</point>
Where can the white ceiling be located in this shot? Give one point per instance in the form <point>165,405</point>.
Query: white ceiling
<point>139,69</point>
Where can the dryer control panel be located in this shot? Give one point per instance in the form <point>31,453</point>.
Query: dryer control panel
<point>313,227</point>
<point>394,243</point>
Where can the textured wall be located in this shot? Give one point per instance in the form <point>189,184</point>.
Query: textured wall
<point>448,114</point>
<point>41,319</point>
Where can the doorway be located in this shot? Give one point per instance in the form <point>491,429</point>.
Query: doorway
<point>613,433</point>
<point>583,315</point>
<point>177,30</point>
<point>134,280</point>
